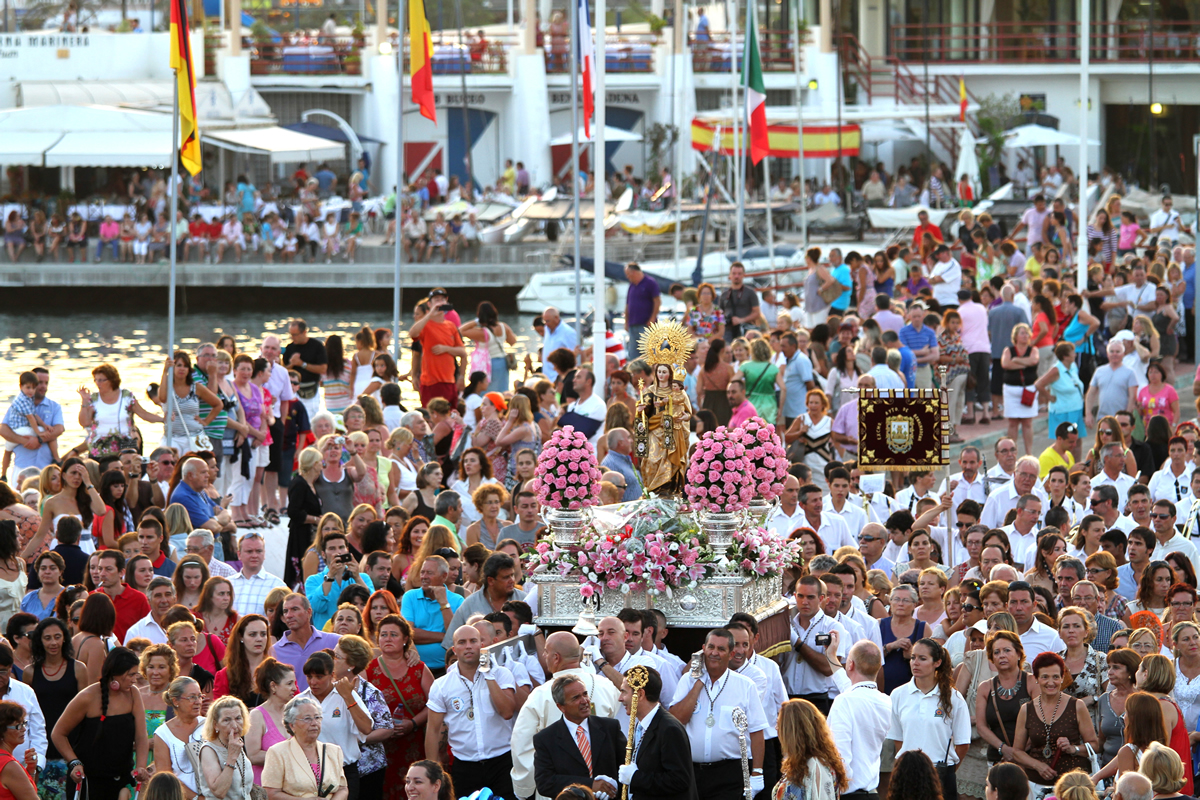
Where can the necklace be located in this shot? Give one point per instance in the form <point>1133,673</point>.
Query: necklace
<point>1009,694</point>
<point>711,720</point>
<point>470,686</point>
<point>1047,750</point>
<point>48,674</point>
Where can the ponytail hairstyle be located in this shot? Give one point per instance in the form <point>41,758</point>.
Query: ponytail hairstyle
<point>119,661</point>
<point>435,773</point>
<point>944,674</point>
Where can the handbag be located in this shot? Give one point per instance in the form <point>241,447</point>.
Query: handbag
<point>1028,396</point>
<point>1094,762</point>
<point>829,294</point>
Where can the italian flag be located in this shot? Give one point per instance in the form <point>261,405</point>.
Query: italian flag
<point>756,93</point>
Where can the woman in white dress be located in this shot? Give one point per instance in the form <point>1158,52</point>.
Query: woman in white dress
<point>108,414</point>
<point>1020,362</point>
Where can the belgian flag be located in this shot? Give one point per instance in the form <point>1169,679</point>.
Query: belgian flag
<point>181,62</point>
<point>420,59</point>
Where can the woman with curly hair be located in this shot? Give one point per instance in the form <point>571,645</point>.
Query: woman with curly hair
<point>488,499</point>
<point>914,776</point>
<point>246,649</point>
<point>812,767</point>
<point>407,546</point>
<point>924,719</point>
<point>1052,729</point>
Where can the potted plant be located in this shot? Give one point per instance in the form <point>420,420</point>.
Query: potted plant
<point>264,48</point>
<point>352,63</point>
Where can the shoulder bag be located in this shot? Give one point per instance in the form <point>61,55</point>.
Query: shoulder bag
<point>1003,730</point>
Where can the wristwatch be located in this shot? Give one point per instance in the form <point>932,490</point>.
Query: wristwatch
<point>444,606</point>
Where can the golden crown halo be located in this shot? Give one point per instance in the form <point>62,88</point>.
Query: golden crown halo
<point>667,343</point>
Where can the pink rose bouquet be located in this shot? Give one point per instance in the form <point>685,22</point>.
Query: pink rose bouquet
<point>768,459</point>
<point>567,473</point>
<point>719,476</point>
<point>760,552</point>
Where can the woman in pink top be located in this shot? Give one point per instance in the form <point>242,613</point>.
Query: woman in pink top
<point>277,682</point>
<point>1130,233</point>
<point>1158,398</point>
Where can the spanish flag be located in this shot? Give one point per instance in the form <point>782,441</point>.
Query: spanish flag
<point>962,100</point>
<point>181,62</point>
<point>420,59</point>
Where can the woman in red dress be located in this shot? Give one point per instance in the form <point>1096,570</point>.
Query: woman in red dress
<point>406,688</point>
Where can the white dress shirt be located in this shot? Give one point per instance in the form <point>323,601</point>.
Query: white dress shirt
<point>859,720</point>
<point>539,712</point>
<point>1002,500</point>
<point>476,732</point>
<point>35,732</point>
<point>783,523</point>
<point>1022,545</point>
<point>1166,485</point>
<point>834,532</point>
<point>250,591</point>
<point>907,499</point>
<point>801,678</point>
<point>966,490</point>
<point>776,694</point>
<point>719,741</point>
<point>1121,483</point>
<point>337,723</point>
<point>147,628</point>
<point>763,687</point>
<point>1180,544</point>
<point>852,513</point>
<point>919,723</point>
<point>219,569</point>
<point>1040,638</point>
<point>667,657</point>
<point>870,626</point>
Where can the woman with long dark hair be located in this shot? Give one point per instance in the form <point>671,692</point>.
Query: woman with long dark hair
<point>245,651</point>
<point>108,724</point>
<point>914,775</point>
<point>426,780</point>
<point>335,383</point>
<point>79,498</point>
<point>714,380</point>
<point>1153,589</point>
<point>55,677</point>
<point>937,722</point>
<point>488,330</point>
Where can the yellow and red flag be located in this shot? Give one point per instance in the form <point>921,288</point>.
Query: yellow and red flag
<point>181,62</point>
<point>420,59</point>
<point>962,100</point>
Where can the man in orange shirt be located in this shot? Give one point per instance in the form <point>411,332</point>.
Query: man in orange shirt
<point>924,227</point>
<point>441,347</point>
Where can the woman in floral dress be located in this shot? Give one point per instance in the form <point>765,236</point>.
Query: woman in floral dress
<point>406,689</point>
<point>706,319</point>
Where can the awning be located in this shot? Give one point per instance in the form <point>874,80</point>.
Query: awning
<point>328,132</point>
<point>820,141</point>
<point>282,145</point>
<point>111,149</point>
<point>26,148</point>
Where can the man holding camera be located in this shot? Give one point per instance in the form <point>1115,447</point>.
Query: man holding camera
<point>441,347</point>
<point>325,587</point>
<point>808,671</point>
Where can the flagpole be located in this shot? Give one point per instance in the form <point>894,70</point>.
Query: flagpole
<point>575,192</point>
<point>174,221</point>
<point>598,169</point>
<point>800,130</point>
<point>397,279</point>
<point>738,165</point>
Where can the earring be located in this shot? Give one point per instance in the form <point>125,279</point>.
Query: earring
<point>113,686</point>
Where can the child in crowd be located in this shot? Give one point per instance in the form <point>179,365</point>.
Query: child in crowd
<point>330,241</point>
<point>290,245</point>
<point>354,231</point>
<point>439,232</point>
<point>128,235</point>
<point>1131,234</point>
<point>23,405</point>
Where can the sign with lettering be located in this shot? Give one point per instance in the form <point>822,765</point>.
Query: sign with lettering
<point>46,41</point>
<point>613,98</point>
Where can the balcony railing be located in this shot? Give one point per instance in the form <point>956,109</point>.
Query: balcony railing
<point>471,54</point>
<point>1046,42</point>
<point>623,52</point>
<point>713,54</point>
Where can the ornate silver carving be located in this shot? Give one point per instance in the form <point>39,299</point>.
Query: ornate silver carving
<point>742,724</point>
<point>565,524</point>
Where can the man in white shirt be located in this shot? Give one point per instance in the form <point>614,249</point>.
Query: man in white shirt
<point>1022,533</point>
<point>562,655</point>
<point>200,543</point>
<point>885,377</point>
<point>1162,517</point>
<point>739,662</point>
<point>850,611</point>
<point>162,597</point>
<point>837,501</point>
<point>1001,472</point>
<point>589,410</point>
<point>611,658</point>
<point>787,515</point>
<point>1112,458</point>
<point>872,540</point>
<point>945,278</point>
<point>807,671</point>
<point>921,488</point>
<point>1104,503</point>
<point>1036,637</point>
<point>1165,222</point>
<point>1003,500</point>
<point>252,583</point>
<point>704,703</point>
<point>832,529</point>
<point>477,709</point>
<point>968,483</point>
<point>634,620</point>
<point>859,718</point>
<point>1173,481</point>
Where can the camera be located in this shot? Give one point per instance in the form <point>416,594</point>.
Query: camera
<point>446,308</point>
<point>822,639</point>
<point>228,405</point>
<point>346,558</point>
<point>340,440</point>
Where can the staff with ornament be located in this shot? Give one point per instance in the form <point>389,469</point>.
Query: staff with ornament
<point>663,410</point>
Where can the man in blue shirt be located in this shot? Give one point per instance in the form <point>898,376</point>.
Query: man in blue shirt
<point>34,451</point>
<point>557,335</point>
<point>843,273</point>
<point>642,302</point>
<point>203,511</point>
<point>797,378</point>
<point>325,587</point>
<point>429,609</point>
<point>908,362</point>
<point>620,446</point>
<point>923,343</point>
<point>326,180</point>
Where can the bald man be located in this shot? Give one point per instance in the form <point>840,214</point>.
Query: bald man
<point>477,708</point>
<point>557,335</point>
<point>563,655</point>
<point>859,719</point>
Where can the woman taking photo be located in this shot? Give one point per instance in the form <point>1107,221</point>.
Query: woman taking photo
<point>998,701</point>
<point>304,511</point>
<point>15,782</point>
<point>335,483</point>
<point>899,631</point>
<point>225,771</point>
<point>302,766</point>
<point>108,725</point>
<point>405,688</point>
<point>1122,669</point>
<point>171,740</point>
<point>812,767</point>
<point>215,607</point>
<point>489,499</point>
<point>55,677</point>
<point>1052,729</point>
<point>1020,361</point>
<point>246,650</point>
<point>277,683</point>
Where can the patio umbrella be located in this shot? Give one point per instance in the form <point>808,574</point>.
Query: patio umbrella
<point>610,135</point>
<point>967,163</point>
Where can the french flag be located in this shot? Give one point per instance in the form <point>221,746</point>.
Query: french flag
<point>587,65</point>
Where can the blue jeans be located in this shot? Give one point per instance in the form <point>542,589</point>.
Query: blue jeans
<point>499,382</point>
<point>116,248</point>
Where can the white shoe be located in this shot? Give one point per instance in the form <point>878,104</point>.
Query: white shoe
<point>329,261</point>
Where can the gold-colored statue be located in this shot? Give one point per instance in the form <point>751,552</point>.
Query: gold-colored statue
<point>663,410</point>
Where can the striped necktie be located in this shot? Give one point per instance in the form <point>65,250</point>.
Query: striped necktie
<point>584,748</point>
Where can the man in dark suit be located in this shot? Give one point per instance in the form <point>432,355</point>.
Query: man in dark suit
<point>662,754</point>
<point>579,748</point>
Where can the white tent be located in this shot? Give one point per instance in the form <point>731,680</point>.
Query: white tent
<point>610,135</point>
<point>93,136</point>
<point>1039,136</point>
<point>968,163</point>
<point>281,144</point>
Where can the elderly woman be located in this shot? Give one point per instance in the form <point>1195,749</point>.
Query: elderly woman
<point>488,499</point>
<point>351,656</point>
<point>171,740</point>
<point>302,766</point>
<point>15,783</point>
<point>899,632</point>
<point>1052,730</point>
<point>1020,361</point>
<point>346,719</point>
<point>225,771</point>
<point>810,435</point>
<point>108,414</point>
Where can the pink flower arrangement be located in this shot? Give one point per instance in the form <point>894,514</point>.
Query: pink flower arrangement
<point>719,475</point>
<point>568,476</point>
<point>768,459</point>
<point>760,552</point>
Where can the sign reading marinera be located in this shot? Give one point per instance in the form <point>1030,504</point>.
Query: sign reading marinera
<point>903,429</point>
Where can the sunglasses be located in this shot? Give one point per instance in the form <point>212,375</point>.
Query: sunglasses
<point>1160,516</point>
<point>969,607</point>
